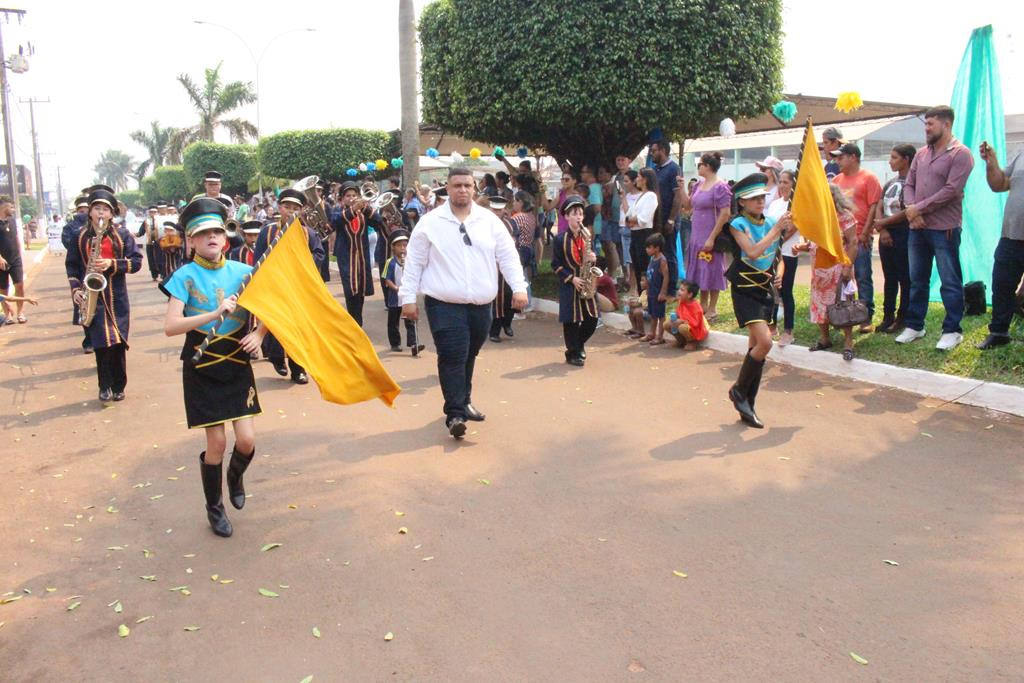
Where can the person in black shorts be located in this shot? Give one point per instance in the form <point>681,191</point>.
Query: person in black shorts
<point>11,269</point>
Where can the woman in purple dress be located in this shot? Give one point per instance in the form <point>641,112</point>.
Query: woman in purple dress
<point>711,203</point>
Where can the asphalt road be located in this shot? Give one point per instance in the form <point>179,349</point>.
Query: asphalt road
<point>544,547</point>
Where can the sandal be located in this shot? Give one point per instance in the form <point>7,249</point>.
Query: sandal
<point>820,346</point>
<point>847,354</point>
<point>633,334</point>
<point>713,318</point>
<point>22,319</point>
<point>646,338</point>
<point>657,342</point>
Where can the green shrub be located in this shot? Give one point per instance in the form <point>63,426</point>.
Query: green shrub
<point>326,153</point>
<point>237,163</point>
<point>172,184</point>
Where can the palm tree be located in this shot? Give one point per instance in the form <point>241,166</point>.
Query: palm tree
<point>157,143</point>
<point>115,168</point>
<point>410,108</point>
<point>212,102</point>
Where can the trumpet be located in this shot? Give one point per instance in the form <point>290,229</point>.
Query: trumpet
<point>372,195</point>
<point>313,213</point>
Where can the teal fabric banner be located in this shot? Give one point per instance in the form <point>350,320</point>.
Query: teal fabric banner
<point>978,105</point>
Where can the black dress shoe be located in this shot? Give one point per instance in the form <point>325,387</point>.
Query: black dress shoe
<point>118,395</point>
<point>416,349</point>
<point>281,369</point>
<point>508,331</point>
<point>575,360</point>
<point>992,341</point>
<point>106,395</point>
<point>300,378</point>
<point>86,349</point>
<point>473,414</point>
<point>457,427</point>
<point>495,338</point>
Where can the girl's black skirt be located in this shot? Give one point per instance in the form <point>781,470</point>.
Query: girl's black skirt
<point>220,387</point>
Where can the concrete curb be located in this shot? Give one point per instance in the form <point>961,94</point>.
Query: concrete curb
<point>990,395</point>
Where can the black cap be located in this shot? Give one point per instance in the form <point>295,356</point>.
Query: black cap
<point>251,227</point>
<point>753,185</point>
<point>226,201</point>
<point>441,191</point>
<point>399,235</point>
<point>846,148</point>
<point>291,195</point>
<point>348,185</point>
<point>81,200</point>
<point>171,224</point>
<point>212,176</point>
<point>161,204</point>
<point>152,207</point>
<point>102,196</point>
<point>203,213</point>
<point>571,201</point>
<point>91,188</point>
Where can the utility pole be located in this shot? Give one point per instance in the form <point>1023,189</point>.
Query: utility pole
<point>35,153</point>
<point>12,172</point>
<point>60,194</point>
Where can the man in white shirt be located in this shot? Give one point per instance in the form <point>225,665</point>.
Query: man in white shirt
<point>450,261</point>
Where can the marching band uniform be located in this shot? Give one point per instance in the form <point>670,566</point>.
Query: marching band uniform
<point>108,331</point>
<point>148,231</point>
<point>325,263</point>
<point>272,348</point>
<point>172,249</point>
<point>220,387</point>
<point>243,253</point>
<point>393,270</point>
<point>352,250</point>
<point>501,308</point>
<point>69,238</point>
<point>577,315</point>
<point>234,239</point>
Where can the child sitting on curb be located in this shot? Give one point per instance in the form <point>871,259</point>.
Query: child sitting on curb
<point>688,324</point>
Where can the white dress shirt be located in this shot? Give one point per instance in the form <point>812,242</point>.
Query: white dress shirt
<point>441,265</point>
<point>643,210</point>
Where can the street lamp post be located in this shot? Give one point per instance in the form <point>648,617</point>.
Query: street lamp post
<point>256,62</point>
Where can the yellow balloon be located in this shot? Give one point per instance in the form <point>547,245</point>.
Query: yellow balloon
<point>474,153</point>
<point>380,164</point>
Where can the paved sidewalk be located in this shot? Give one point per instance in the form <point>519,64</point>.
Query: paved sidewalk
<point>543,547</point>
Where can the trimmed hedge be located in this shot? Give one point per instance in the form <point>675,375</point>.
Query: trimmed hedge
<point>237,163</point>
<point>327,153</point>
<point>132,198</point>
<point>150,192</point>
<point>171,183</point>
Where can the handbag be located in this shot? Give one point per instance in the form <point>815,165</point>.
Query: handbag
<point>847,313</point>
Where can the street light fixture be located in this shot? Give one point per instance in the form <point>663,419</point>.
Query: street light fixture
<point>256,62</point>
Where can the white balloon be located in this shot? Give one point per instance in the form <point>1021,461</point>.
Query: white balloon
<point>362,167</point>
<point>727,128</point>
<point>457,158</point>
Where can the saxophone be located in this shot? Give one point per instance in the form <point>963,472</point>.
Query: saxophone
<point>590,272</point>
<point>94,281</point>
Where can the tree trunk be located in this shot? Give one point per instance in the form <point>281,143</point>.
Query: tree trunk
<point>410,103</point>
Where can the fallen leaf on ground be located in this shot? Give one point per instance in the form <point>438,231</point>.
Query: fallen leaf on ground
<point>307,679</point>
<point>14,599</point>
<point>118,607</point>
<point>178,588</point>
<point>148,577</point>
<point>269,546</point>
<point>389,636</point>
<point>157,496</point>
<point>115,547</point>
<point>485,482</point>
<point>428,559</point>
<point>214,577</point>
<point>283,585</point>
<point>680,574</point>
<point>602,540</point>
<point>268,593</point>
<point>185,591</point>
<point>147,553</point>
<point>191,628</point>
<point>403,530</point>
<point>927,434</point>
<point>143,619</point>
<point>73,606</point>
<point>180,469</point>
<point>293,507</point>
<point>635,666</point>
<point>316,632</point>
<point>50,590</point>
<point>857,658</point>
<point>123,631</point>
<point>398,513</point>
<point>226,581</point>
<point>891,563</point>
<point>189,555</point>
<point>990,427</point>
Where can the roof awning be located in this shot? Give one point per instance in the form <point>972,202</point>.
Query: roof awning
<point>789,136</point>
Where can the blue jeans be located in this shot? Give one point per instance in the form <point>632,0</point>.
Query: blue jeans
<point>459,330</point>
<point>1006,273</point>
<point>862,271</point>
<point>625,240</point>
<point>944,247</point>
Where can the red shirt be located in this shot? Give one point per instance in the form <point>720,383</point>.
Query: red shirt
<point>692,314</point>
<point>606,287</point>
<point>863,190</point>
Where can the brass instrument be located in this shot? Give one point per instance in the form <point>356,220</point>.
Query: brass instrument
<point>313,214</point>
<point>170,242</point>
<point>232,226</point>
<point>94,281</point>
<point>372,195</point>
<point>590,272</point>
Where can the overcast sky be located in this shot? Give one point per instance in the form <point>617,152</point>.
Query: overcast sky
<point>103,85</point>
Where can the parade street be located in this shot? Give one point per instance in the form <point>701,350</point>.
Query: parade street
<point>610,523</point>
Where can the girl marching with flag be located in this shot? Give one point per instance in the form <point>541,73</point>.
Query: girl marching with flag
<point>219,387</point>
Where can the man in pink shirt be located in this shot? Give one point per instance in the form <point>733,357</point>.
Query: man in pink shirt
<point>862,189</point>
<point>933,195</point>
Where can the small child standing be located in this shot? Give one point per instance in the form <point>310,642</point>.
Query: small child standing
<point>7,314</point>
<point>657,288</point>
<point>688,324</point>
<point>393,269</point>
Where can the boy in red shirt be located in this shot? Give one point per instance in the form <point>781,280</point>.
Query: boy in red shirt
<point>687,324</point>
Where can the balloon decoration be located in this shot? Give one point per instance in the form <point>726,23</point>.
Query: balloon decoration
<point>380,164</point>
<point>397,163</point>
<point>432,153</point>
<point>362,167</point>
<point>457,158</point>
<point>522,152</point>
<point>351,173</point>
<point>848,101</point>
<point>498,152</point>
<point>784,110</point>
<point>474,153</point>
<point>727,128</point>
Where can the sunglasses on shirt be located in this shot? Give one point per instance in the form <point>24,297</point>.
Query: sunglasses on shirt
<point>465,235</point>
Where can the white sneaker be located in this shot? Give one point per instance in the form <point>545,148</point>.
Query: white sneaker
<point>949,340</point>
<point>908,335</point>
<point>519,316</point>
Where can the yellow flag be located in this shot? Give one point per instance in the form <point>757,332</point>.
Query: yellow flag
<point>289,296</point>
<point>814,213</point>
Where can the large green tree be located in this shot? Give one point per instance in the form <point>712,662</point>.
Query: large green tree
<point>157,143</point>
<point>114,169</point>
<point>213,101</point>
<point>592,79</point>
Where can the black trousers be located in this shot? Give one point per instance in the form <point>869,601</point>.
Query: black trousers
<point>638,253</point>
<point>459,330</point>
<point>111,367</point>
<point>151,256</point>
<point>896,269</point>
<point>788,302</point>
<point>354,305</point>
<point>577,334</point>
<point>394,335</point>
<point>325,268</point>
<point>273,350</point>
<point>1006,273</point>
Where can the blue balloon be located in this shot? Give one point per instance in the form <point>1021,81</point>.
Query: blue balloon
<point>432,153</point>
<point>352,173</point>
<point>522,152</point>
